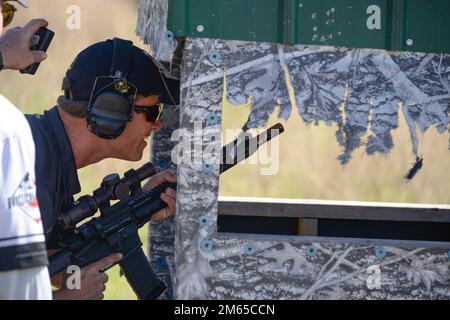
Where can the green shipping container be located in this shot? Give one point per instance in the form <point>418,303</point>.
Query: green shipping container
<point>400,25</point>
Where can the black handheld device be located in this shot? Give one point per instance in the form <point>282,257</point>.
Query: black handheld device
<point>39,42</point>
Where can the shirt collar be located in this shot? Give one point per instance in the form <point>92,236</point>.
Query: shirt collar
<point>64,148</point>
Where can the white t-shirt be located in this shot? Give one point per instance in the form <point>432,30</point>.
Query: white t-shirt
<point>22,241</point>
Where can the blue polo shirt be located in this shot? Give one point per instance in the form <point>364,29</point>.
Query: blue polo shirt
<point>56,173</point>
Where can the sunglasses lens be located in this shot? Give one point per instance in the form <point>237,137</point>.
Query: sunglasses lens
<point>151,115</point>
<point>8,13</point>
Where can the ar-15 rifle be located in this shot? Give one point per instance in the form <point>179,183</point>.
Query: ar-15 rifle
<point>116,230</point>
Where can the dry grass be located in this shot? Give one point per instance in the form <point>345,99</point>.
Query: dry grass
<point>309,169</point>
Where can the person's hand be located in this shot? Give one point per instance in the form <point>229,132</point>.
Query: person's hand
<point>92,282</point>
<point>169,196</point>
<point>57,279</point>
<point>15,46</point>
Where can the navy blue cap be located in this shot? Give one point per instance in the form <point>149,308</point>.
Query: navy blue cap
<point>144,73</point>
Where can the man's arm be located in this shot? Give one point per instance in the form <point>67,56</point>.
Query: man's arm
<point>15,46</point>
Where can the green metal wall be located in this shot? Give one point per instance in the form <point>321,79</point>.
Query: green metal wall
<point>403,25</point>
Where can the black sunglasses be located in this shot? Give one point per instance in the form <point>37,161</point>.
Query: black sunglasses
<point>8,11</point>
<point>152,113</point>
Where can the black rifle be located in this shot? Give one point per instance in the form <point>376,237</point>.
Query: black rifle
<point>116,230</point>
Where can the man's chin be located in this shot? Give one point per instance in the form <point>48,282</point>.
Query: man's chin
<point>135,154</point>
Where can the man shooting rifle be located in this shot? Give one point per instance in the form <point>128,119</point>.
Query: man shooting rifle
<point>113,97</point>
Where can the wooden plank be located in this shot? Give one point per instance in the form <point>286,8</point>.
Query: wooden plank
<point>310,227</point>
<point>316,209</point>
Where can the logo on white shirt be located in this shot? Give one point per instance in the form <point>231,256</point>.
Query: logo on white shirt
<point>24,197</point>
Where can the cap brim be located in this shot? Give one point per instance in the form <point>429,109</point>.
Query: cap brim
<point>23,3</point>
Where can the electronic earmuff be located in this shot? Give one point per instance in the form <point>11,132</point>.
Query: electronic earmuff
<point>111,103</point>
